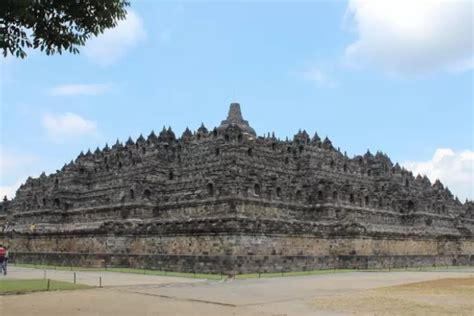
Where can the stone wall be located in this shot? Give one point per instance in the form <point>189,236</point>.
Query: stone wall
<point>242,244</point>
<point>227,264</point>
<point>239,253</point>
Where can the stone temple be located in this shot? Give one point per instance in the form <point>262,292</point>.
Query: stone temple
<point>229,201</point>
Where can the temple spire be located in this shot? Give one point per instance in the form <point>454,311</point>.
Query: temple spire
<point>235,114</point>
<point>235,118</point>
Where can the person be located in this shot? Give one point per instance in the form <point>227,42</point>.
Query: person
<point>3,259</point>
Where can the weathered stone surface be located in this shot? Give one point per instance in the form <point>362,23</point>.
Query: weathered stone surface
<point>227,200</point>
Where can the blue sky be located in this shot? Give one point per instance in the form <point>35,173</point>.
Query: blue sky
<point>395,77</point>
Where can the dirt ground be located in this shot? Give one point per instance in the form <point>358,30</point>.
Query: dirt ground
<point>451,296</point>
<point>361,293</point>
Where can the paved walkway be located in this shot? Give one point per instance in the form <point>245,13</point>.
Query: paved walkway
<point>127,294</point>
<point>93,277</point>
<point>274,290</point>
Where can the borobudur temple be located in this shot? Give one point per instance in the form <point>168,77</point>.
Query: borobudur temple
<point>229,201</point>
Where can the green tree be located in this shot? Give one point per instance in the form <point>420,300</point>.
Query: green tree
<point>55,26</point>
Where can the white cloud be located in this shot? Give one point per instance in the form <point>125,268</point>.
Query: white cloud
<point>411,37</point>
<point>317,75</point>
<point>80,89</point>
<point>62,126</point>
<point>454,169</point>
<point>114,43</point>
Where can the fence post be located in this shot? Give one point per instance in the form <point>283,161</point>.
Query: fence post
<point>100,281</point>
<point>74,277</point>
<point>47,287</point>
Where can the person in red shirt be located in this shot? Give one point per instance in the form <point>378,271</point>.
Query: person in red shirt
<point>3,259</point>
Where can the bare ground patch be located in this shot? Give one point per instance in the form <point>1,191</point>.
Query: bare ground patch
<point>450,296</point>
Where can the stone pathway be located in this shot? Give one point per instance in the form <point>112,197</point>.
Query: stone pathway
<point>94,278</point>
<point>281,289</point>
<point>127,294</point>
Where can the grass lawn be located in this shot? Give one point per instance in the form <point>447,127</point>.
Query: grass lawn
<point>13,286</point>
<point>54,267</point>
